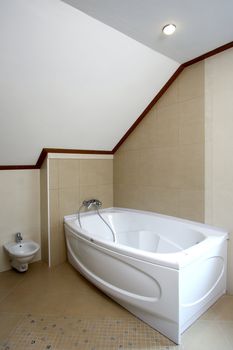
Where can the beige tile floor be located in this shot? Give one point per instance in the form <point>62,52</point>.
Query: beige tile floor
<point>58,309</point>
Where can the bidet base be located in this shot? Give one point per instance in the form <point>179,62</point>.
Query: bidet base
<point>21,267</point>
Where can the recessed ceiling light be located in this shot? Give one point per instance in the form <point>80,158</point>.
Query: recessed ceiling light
<point>169,29</point>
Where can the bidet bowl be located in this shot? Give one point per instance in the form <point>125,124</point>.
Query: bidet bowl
<point>23,251</point>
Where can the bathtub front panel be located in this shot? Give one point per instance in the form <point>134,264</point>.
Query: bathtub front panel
<point>147,290</point>
<point>202,283</point>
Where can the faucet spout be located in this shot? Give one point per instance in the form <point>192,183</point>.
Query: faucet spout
<point>18,237</point>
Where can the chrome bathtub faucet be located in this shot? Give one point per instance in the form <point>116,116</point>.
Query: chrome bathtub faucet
<point>18,237</point>
<point>92,202</point>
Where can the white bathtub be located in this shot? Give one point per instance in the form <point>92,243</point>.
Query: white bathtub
<point>166,271</point>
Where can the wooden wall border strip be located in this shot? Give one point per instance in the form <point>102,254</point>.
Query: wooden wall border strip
<point>17,167</point>
<point>45,151</point>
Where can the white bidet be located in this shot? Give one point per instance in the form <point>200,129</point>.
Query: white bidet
<point>21,253</point>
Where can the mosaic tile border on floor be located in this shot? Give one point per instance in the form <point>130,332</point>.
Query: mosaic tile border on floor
<point>44,332</point>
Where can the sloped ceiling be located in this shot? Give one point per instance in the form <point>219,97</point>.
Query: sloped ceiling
<point>202,25</point>
<point>71,81</point>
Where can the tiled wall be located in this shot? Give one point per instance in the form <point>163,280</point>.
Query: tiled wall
<point>219,147</point>
<point>160,167</point>
<point>19,208</point>
<point>44,211</point>
<point>70,182</point>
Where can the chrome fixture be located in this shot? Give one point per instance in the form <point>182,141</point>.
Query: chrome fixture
<point>18,237</point>
<point>96,204</point>
<point>92,203</point>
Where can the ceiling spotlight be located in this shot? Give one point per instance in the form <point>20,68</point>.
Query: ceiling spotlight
<point>169,29</point>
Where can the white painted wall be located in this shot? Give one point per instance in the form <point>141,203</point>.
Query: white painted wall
<point>69,81</point>
<point>19,208</point>
<point>219,147</point>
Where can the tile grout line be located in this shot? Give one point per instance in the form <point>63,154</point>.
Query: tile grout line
<point>12,290</point>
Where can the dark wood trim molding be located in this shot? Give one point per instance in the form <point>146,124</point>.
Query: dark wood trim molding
<point>209,54</point>
<point>45,151</point>
<point>41,158</point>
<point>17,167</point>
<point>76,151</point>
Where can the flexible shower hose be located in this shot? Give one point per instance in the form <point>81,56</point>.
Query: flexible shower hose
<point>97,210</point>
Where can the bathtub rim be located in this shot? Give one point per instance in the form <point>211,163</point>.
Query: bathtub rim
<point>176,260</point>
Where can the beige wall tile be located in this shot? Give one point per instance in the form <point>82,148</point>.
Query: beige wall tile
<point>192,123</point>
<point>61,202</point>
<point>117,167</point>
<point>159,167</point>
<point>166,127</point>
<point>96,171</point>
<point>125,196</point>
<point>58,246</point>
<point>159,128</point>
<point>68,173</point>
<point>132,167</point>
<point>192,205</point>
<point>4,259</point>
<point>68,201</point>
<point>191,132</point>
<point>165,169</point>
<point>192,166</point>
<point>44,212</point>
<point>77,180</point>
<point>160,200</point>
<point>162,162</point>
<point>192,110</point>
<point>53,174</point>
<point>191,82</point>
<point>54,226</point>
<point>54,207</point>
<point>170,97</point>
<point>143,135</point>
<point>131,196</point>
<point>102,192</point>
